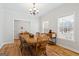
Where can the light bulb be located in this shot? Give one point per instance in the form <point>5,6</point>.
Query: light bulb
<point>37,11</point>
<point>34,8</point>
<point>30,10</point>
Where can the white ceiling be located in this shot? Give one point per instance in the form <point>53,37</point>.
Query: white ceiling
<point>24,7</point>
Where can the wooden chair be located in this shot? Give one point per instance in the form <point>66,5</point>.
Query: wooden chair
<point>24,47</point>
<point>41,46</point>
<point>32,46</point>
<point>37,33</point>
<point>26,32</point>
<point>21,33</point>
<point>52,38</point>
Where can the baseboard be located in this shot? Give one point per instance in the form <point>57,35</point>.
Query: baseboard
<point>4,44</point>
<point>74,50</point>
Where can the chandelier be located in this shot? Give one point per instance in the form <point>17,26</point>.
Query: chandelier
<point>34,10</point>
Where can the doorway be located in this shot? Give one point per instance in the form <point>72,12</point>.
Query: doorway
<point>21,26</point>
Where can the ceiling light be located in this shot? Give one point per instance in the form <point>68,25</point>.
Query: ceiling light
<point>34,10</point>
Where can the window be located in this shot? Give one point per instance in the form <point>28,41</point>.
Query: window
<point>66,27</point>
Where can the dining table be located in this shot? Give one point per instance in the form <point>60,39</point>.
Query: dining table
<point>29,40</point>
<point>33,41</point>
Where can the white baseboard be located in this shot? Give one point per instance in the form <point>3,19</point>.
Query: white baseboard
<point>72,49</point>
<point>4,44</point>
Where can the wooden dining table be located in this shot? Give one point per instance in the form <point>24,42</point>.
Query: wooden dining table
<point>28,39</point>
<point>33,41</point>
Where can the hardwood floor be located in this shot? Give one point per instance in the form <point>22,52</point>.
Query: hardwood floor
<point>52,50</point>
<point>11,50</point>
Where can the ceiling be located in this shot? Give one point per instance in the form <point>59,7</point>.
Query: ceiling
<point>44,8</point>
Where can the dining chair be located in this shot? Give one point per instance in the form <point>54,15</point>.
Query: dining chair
<point>52,37</point>
<point>24,47</point>
<point>41,46</point>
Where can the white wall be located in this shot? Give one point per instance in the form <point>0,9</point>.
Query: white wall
<point>31,25</point>
<point>7,17</point>
<point>6,34</point>
<point>1,24</point>
<point>64,10</point>
<point>19,15</point>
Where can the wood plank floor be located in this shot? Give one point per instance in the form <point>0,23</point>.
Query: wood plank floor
<point>52,50</point>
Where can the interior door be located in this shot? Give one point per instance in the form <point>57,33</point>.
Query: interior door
<point>21,26</point>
